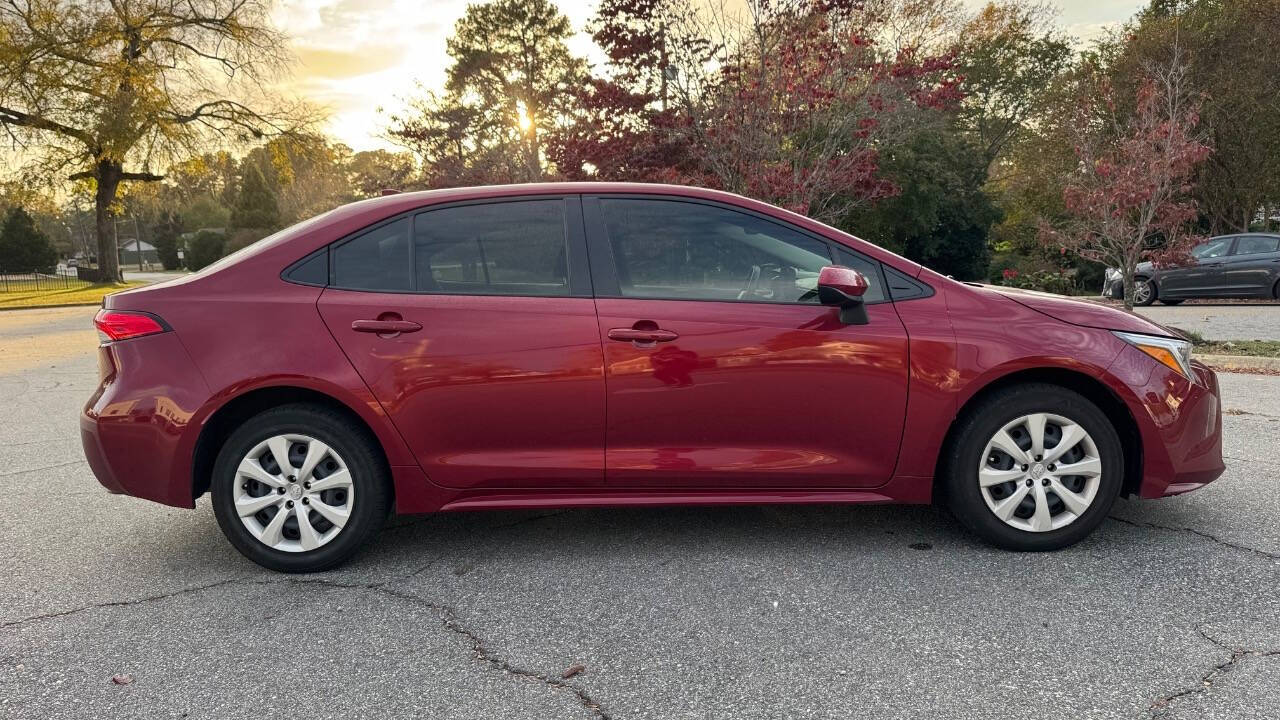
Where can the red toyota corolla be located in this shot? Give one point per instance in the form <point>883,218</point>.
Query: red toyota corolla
<point>577,345</point>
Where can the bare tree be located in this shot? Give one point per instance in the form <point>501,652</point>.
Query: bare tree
<point>114,90</point>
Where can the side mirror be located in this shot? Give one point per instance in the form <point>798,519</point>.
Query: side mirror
<point>844,287</point>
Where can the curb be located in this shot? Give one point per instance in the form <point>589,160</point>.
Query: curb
<point>1239,363</point>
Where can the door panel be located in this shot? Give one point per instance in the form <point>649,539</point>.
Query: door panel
<point>1252,265</point>
<point>753,395</point>
<point>492,391</point>
<point>1203,276</point>
<point>478,336</point>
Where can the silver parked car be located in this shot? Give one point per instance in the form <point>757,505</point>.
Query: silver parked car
<point>1228,266</point>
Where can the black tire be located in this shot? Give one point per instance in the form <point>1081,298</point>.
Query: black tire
<point>1151,296</point>
<point>370,477</point>
<point>981,422</point>
<point>1170,302</point>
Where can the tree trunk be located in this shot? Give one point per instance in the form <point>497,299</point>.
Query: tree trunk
<point>1128,286</point>
<point>107,175</point>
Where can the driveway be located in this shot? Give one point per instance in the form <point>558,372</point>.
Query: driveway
<point>1169,610</point>
<point>1220,322</point>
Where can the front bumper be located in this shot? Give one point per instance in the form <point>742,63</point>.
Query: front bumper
<point>1180,423</point>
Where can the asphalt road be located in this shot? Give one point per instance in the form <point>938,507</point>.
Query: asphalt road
<point>1171,610</point>
<point>1220,321</point>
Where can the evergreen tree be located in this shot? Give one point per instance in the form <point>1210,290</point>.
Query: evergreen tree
<point>24,248</point>
<point>256,205</point>
<point>165,237</point>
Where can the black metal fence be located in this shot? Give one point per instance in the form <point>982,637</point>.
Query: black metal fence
<point>39,282</point>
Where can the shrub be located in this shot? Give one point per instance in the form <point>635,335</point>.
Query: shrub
<point>206,247</point>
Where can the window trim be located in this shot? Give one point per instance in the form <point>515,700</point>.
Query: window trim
<point>604,268</point>
<point>578,274</point>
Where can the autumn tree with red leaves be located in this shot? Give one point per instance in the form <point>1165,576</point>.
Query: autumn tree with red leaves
<point>788,105</point>
<point>1130,199</point>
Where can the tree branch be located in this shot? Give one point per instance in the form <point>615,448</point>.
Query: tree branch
<point>9,116</point>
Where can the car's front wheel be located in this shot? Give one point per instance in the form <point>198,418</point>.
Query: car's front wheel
<point>1034,467</point>
<point>299,488</point>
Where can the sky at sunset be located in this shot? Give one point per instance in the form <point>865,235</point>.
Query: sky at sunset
<point>356,56</point>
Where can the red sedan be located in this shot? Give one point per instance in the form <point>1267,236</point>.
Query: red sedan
<point>582,345</point>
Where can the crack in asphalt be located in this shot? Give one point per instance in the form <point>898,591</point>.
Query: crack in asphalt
<point>1250,460</point>
<point>38,469</point>
<point>1237,411</point>
<point>447,616</point>
<point>120,603</point>
<point>449,621</point>
<point>1200,533</point>
<point>1208,679</point>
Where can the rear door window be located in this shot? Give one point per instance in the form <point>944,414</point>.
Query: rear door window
<point>1256,244</point>
<point>510,248</point>
<point>376,259</point>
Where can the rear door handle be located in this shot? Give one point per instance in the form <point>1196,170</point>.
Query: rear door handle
<point>385,327</point>
<point>642,336</point>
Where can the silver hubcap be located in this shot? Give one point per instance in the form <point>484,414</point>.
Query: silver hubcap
<point>293,493</point>
<point>1039,472</point>
<point>1142,291</point>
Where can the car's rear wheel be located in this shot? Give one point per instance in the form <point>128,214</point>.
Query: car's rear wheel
<point>299,488</point>
<point>1144,292</point>
<point>1034,467</point>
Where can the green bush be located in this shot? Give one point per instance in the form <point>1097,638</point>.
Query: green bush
<point>206,247</point>
<point>1060,282</point>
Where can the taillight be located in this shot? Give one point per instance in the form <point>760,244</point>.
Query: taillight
<point>124,324</point>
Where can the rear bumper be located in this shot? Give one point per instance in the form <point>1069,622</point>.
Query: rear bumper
<point>133,427</point>
<point>1180,423</point>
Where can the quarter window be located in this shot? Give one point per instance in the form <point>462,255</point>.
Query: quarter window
<point>512,248</point>
<point>689,251</point>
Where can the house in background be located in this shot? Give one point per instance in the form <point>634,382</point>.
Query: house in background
<point>131,249</point>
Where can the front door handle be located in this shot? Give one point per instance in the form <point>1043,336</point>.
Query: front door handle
<point>388,325</point>
<point>638,335</point>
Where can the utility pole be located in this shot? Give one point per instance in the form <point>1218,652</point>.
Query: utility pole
<point>662,62</point>
<point>137,240</point>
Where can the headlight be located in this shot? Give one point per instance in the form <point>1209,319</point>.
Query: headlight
<point>1173,353</point>
<point>1112,274</point>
